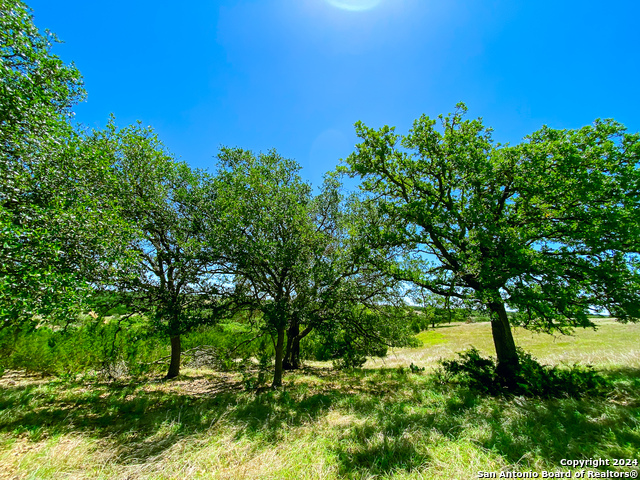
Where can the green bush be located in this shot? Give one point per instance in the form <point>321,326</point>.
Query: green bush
<point>121,345</point>
<point>416,369</point>
<point>419,322</point>
<point>424,318</point>
<point>533,378</point>
<point>233,344</point>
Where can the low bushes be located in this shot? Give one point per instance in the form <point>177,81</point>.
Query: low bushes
<point>121,345</point>
<point>533,379</point>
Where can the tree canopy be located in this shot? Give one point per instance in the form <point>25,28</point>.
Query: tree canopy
<point>171,272</point>
<point>548,228</point>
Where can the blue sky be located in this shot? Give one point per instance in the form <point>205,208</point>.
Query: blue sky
<point>295,75</point>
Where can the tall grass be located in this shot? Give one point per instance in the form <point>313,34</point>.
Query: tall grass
<point>368,423</point>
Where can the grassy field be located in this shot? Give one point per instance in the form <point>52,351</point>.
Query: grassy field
<point>611,345</point>
<point>378,422</point>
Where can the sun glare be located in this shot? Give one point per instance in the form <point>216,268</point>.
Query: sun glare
<point>354,5</point>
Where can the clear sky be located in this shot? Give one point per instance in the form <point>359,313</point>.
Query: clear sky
<point>295,75</point>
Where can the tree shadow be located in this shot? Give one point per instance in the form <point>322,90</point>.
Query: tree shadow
<point>517,429</point>
<point>368,452</point>
<point>138,422</point>
<point>142,422</point>
<point>393,418</point>
<point>440,325</point>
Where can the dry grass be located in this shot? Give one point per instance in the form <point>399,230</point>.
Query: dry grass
<point>612,345</point>
<point>372,423</point>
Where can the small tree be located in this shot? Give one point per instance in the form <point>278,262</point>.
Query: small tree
<point>173,279</point>
<point>550,227</point>
<point>343,294</point>
<point>292,255</point>
<point>438,308</point>
<point>265,235</point>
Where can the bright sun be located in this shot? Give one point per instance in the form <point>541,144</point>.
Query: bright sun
<point>354,5</point>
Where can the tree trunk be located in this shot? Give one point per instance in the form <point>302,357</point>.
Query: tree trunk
<point>290,361</point>
<point>508,364</point>
<point>174,366</point>
<point>277,375</point>
<point>295,353</point>
<point>292,355</point>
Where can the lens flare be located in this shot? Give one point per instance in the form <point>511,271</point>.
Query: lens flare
<point>354,5</point>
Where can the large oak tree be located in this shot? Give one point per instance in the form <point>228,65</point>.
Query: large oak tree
<point>57,222</point>
<point>549,227</point>
<point>171,274</point>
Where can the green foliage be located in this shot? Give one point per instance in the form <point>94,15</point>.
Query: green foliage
<point>416,369</point>
<point>297,257</point>
<point>59,229</point>
<point>232,346</point>
<point>36,93</point>
<point>78,211</point>
<point>345,349</point>
<point>159,197</point>
<point>258,218</point>
<point>255,376</point>
<point>123,344</point>
<point>171,277</point>
<point>472,369</point>
<point>365,332</point>
<point>419,323</point>
<point>114,347</point>
<point>534,379</point>
<point>432,316</point>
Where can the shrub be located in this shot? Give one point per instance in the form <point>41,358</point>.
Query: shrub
<point>533,379</point>
<point>122,345</point>
<point>416,369</point>
<point>345,350</point>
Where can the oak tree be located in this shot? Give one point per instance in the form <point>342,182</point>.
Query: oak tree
<point>290,253</point>
<point>549,228</point>
<point>171,275</point>
<point>56,224</point>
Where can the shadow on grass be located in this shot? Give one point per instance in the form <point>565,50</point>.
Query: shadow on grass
<point>367,452</point>
<point>394,418</point>
<point>442,325</point>
<point>143,422</point>
<point>520,429</point>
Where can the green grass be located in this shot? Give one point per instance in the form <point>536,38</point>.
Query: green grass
<point>612,345</point>
<point>431,337</point>
<point>369,423</point>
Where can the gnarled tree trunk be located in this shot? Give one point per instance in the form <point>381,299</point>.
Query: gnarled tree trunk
<point>508,363</point>
<point>292,353</point>
<point>295,353</point>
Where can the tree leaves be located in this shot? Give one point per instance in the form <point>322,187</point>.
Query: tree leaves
<point>37,236</point>
<point>549,226</point>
